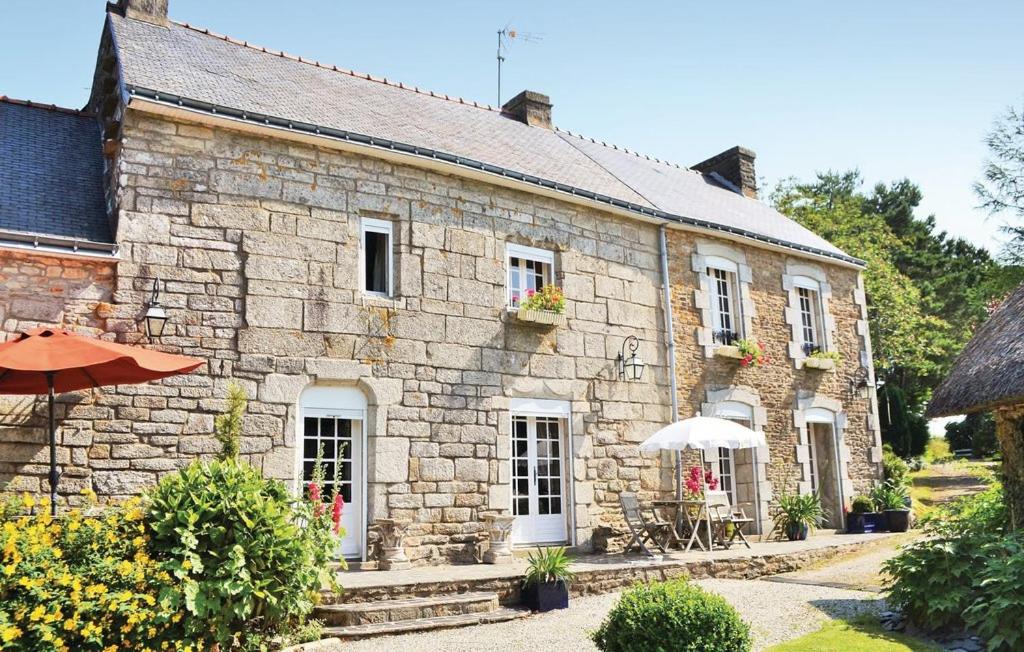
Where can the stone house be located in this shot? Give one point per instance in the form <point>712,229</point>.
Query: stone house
<point>352,251</point>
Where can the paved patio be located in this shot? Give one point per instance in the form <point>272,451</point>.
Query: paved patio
<point>602,573</point>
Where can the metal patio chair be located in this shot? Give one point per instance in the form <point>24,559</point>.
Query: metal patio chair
<point>644,524</point>
<point>722,514</point>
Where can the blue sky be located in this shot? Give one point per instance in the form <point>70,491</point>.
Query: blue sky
<point>895,89</point>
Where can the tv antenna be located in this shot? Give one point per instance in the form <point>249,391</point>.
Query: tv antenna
<point>506,35</point>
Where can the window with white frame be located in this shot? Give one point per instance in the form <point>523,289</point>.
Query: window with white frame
<point>725,317</point>
<point>808,294</point>
<point>529,269</point>
<point>376,257</point>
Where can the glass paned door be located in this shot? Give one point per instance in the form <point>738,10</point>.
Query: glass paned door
<point>341,439</point>
<point>538,490</point>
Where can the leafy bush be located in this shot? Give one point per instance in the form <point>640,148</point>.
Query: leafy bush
<point>548,565</point>
<point>936,579</point>
<point>669,617</point>
<point>862,505</point>
<point>937,451</point>
<point>895,468</point>
<point>998,611</point>
<point>240,547</point>
<point>84,581</point>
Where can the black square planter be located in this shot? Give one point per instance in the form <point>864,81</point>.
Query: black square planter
<point>875,522</point>
<point>855,523</point>
<point>546,596</point>
<point>897,520</point>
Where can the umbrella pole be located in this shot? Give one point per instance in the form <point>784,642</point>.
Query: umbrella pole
<point>757,490</point>
<point>53,447</point>
<point>707,507</point>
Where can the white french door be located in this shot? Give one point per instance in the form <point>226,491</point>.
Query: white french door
<point>538,487</point>
<point>341,440</point>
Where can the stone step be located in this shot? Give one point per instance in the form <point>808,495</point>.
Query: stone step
<point>406,609</point>
<point>370,630</point>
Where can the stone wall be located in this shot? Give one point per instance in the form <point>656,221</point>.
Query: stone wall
<point>73,293</point>
<point>780,388</point>
<point>257,243</point>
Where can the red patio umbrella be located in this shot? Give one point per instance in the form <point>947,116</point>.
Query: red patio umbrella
<point>49,360</point>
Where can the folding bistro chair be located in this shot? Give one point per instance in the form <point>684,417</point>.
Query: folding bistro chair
<point>722,514</point>
<point>644,527</point>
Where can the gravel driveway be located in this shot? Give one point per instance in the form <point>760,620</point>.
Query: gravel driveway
<point>776,613</point>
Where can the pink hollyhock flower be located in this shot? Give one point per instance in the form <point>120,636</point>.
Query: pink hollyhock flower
<point>530,293</point>
<point>314,492</point>
<point>339,504</point>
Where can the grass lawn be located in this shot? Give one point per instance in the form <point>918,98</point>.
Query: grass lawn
<point>858,636</point>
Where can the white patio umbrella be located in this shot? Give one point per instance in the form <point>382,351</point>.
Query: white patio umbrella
<point>707,434</point>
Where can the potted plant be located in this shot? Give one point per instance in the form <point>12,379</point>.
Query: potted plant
<point>546,585</point>
<point>799,515</point>
<point>822,360</point>
<point>748,351</point>
<point>544,307</point>
<point>857,522</point>
<point>891,499</point>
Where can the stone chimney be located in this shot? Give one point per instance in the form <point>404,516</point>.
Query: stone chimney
<point>529,108</point>
<point>151,11</point>
<point>735,165</point>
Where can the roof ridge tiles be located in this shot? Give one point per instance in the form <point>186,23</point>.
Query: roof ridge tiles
<point>626,150</point>
<point>335,68</point>
<point>42,105</point>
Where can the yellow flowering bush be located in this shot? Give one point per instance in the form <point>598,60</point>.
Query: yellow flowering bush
<point>84,581</point>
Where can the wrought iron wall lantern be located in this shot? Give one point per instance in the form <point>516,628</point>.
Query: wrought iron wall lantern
<point>859,383</point>
<point>156,316</point>
<point>631,368</point>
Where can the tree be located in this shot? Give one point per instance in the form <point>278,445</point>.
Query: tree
<point>227,427</point>
<point>926,291</point>
<point>976,432</point>
<point>1001,189</point>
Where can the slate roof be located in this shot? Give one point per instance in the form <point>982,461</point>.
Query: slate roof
<point>989,372</point>
<point>208,69</point>
<point>51,172</point>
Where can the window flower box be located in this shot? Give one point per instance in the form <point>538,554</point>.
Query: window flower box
<point>822,360</point>
<point>728,351</point>
<point>749,352</point>
<point>544,307</point>
<point>547,317</point>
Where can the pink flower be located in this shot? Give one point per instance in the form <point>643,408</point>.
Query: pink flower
<point>339,504</point>
<point>530,293</point>
<point>314,496</point>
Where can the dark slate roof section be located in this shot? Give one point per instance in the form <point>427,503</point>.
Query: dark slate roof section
<point>51,173</point>
<point>989,372</point>
<point>205,71</point>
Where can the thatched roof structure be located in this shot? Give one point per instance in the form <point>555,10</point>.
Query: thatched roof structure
<point>989,372</point>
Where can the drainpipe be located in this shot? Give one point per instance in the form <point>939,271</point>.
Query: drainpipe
<point>671,352</point>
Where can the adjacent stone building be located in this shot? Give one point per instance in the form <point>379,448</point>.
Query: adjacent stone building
<point>353,251</point>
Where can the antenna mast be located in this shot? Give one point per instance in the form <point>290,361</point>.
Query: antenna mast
<point>505,36</point>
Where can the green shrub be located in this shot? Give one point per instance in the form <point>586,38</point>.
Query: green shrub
<point>935,580</point>
<point>937,451</point>
<point>862,505</point>
<point>673,616</point>
<point>83,581</point>
<point>889,495</point>
<point>895,468</point>
<point>797,510</point>
<point>998,611</point>
<point>249,558</point>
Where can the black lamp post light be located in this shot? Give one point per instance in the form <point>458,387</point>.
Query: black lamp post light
<point>632,367</point>
<point>156,316</point>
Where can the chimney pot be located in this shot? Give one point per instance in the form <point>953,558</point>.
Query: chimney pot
<point>735,165</point>
<point>530,108</point>
<point>151,11</point>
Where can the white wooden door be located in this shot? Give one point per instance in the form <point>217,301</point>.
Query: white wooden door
<point>342,440</point>
<point>538,487</point>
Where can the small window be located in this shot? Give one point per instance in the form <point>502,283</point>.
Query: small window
<point>810,319</point>
<point>724,313</point>
<point>376,252</point>
<point>529,269</point>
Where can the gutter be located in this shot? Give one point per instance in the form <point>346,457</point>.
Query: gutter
<point>319,131</point>
<point>59,246</point>
<point>670,346</point>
